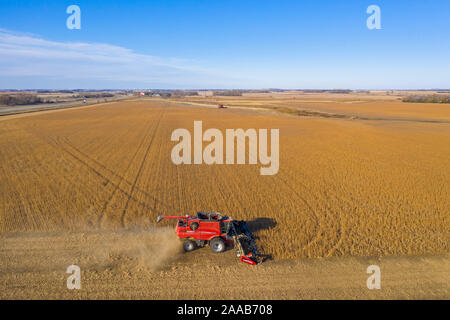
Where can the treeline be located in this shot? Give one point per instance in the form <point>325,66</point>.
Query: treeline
<point>19,99</point>
<point>435,98</point>
<point>182,93</point>
<point>236,92</point>
<point>169,93</point>
<point>95,95</point>
<point>56,91</point>
<point>81,91</point>
<point>28,98</point>
<point>231,93</point>
<point>343,91</point>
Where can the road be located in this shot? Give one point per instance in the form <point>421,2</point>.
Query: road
<point>12,110</point>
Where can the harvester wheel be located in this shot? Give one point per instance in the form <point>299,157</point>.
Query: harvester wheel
<point>189,245</point>
<point>217,245</point>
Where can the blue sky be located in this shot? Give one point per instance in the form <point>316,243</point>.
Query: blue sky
<point>225,44</point>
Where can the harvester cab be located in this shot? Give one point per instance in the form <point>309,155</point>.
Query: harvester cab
<point>218,232</point>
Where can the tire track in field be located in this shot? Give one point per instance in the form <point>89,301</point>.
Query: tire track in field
<point>60,143</point>
<point>124,212</point>
<point>115,174</point>
<point>340,229</point>
<point>340,237</point>
<point>315,238</point>
<point>60,147</point>
<point>102,216</point>
<point>56,143</point>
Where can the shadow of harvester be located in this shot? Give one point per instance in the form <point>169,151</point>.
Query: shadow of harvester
<point>261,224</point>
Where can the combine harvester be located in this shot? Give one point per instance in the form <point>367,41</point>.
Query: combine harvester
<point>217,231</point>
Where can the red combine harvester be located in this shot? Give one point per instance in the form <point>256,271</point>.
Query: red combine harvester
<point>217,231</point>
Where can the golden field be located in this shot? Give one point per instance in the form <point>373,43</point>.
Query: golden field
<point>345,188</point>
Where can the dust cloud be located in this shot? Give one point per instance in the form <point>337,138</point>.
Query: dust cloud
<point>149,249</point>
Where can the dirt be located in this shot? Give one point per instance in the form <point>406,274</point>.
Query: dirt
<point>149,264</point>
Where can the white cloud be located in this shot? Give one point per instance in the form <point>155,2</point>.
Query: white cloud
<point>29,61</point>
<point>26,59</point>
